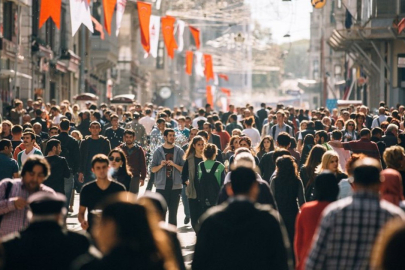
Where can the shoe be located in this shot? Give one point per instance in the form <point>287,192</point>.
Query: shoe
<point>186,220</point>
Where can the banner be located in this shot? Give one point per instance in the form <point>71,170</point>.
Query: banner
<point>168,35</point>
<point>199,70</point>
<point>120,13</point>
<point>109,6</point>
<point>180,32</point>
<point>223,76</point>
<point>154,32</point>
<point>189,62</point>
<point>80,14</point>
<point>98,27</point>
<point>144,12</point>
<point>196,34</point>
<point>209,95</point>
<point>209,70</point>
<point>50,8</point>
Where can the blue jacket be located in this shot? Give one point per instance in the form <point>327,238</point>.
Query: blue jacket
<point>160,176</point>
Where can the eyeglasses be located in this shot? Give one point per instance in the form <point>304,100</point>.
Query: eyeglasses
<point>117,159</point>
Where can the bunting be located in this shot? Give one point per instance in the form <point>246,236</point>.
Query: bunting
<point>109,6</point>
<point>196,34</point>
<point>50,9</point>
<point>189,62</point>
<point>120,13</point>
<point>209,71</point>
<point>401,26</point>
<point>209,95</point>
<point>98,27</point>
<point>180,31</point>
<point>144,13</point>
<point>223,76</point>
<point>80,14</point>
<point>199,70</point>
<point>154,32</point>
<point>168,35</point>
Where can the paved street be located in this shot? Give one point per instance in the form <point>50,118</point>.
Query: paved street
<point>185,232</point>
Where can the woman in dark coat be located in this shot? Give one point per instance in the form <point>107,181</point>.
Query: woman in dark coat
<point>120,170</point>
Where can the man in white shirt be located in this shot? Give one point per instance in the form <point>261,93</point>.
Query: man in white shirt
<point>344,155</point>
<point>28,140</point>
<point>381,118</point>
<point>147,121</point>
<point>56,115</point>
<point>201,113</point>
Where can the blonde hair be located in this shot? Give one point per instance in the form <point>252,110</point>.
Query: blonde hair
<point>78,134</point>
<point>326,158</point>
<point>393,156</point>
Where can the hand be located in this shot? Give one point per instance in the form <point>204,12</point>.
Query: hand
<point>187,182</point>
<point>141,182</point>
<point>19,203</point>
<point>170,163</point>
<point>81,178</point>
<point>84,224</point>
<point>163,163</point>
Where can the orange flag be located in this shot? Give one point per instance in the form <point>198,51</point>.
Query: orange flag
<point>223,76</point>
<point>196,34</point>
<point>226,91</point>
<point>144,12</point>
<point>209,71</point>
<point>50,8</point>
<point>98,27</point>
<point>168,35</point>
<point>189,62</point>
<point>401,26</point>
<point>210,97</point>
<point>109,6</point>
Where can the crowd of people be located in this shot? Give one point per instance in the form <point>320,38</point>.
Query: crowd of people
<point>276,188</point>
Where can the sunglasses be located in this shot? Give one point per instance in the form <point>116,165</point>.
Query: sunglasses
<point>117,159</point>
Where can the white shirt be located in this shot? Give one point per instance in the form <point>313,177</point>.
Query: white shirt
<point>381,119</point>
<point>195,121</point>
<point>148,122</point>
<point>25,155</point>
<point>253,134</point>
<point>56,119</point>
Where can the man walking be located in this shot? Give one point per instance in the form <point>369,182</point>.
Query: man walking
<point>14,194</point>
<point>167,164</point>
<point>139,129</point>
<point>28,141</point>
<point>9,167</point>
<point>349,227</point>
<point>91,146</point>
<point>280,126</point>
<point>239,234</point>
<point>115,133</point>
<point>135,159</point>
<point>147,121</point>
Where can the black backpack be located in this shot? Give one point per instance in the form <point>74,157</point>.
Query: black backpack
<point>208,187</point>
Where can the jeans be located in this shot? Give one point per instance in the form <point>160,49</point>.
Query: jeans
<point>134,185</point>
<point>185,202</point>
<point>172,198</point>
<point>69,183</point>
<point>151,181</point>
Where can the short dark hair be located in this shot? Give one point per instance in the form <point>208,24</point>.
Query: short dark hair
<point>203,134</point>
<point>365,132</point>
<point>210,150</point>
<point>376,130</point>
<point>50,144</point>
<point>326,187</point>
<point>201,111</point>
<point>279,153</point>
<point>38,112</point>
<point>99,158</point>
<point>30,133</point>
<point>4,143</point>
<point>322,134</point>
<point>148,111</point>
<point>337,135</point>
<point>34,160</point>
<point>129,132</point>
<point>53,128</point>
<point>242,180</point>
<point>97,115</point>
<point>160,120</point>
<point>95,123</point>
<point>365,173</point>
<point>114,116</point>
<point>283,139</point>
<point>17,129</point>
<point>64,124</point>
<point>167,131</point>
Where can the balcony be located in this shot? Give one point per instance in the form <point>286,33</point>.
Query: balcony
<point>104,52</point>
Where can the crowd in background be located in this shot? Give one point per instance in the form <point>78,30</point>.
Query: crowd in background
<point>328,185</point>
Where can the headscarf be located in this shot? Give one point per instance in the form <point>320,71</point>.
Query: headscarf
<point>391,187</point>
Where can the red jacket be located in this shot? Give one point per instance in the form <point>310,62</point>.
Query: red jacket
<point>136,160</point>
<point>305,226</point>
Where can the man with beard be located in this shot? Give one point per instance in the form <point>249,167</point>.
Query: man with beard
<point>167,164</point>
<point>14,194</point>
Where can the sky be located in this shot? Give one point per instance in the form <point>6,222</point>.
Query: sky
<point>283,17</point>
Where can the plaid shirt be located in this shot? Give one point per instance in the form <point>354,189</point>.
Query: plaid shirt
<point>347,232</point>
<point>14,220</point>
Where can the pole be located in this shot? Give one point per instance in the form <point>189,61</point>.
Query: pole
<point>82,56</point>
<point>17,51</point>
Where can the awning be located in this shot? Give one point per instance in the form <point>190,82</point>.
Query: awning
<point>309,85</point>
<point>127,98</point>
<point>6,73</point>
<point>86,96</point>
<point>59,66</point>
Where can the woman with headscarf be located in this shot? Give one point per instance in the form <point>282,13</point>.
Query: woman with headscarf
<point>391,188</point>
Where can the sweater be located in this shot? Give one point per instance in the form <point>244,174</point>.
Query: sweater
<point>136,160</point>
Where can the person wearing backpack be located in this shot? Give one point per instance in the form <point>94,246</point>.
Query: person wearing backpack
<point>211,175</point>
<point>281,126</point>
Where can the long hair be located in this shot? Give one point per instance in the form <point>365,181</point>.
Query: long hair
<point>326,158</point>
<point>231,141</point>
<point>286,169</point>
<point>125,169</point>
<point>249,142</point>
<point>261,145</point>
<point>191,147</point>
<point>314,159</point>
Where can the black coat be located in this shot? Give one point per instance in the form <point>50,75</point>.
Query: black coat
<point>84,151</point>
<point>389,139</point>
<point>44,245</point>
<point>41,121</point>
<point>241,235</point>
<point>84,127</point>
<point>70,149</point>
<point>216,140</point>
<point>262,114</point>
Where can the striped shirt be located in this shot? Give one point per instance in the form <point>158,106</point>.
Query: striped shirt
<point>15,220</point>
<point>348,230</point>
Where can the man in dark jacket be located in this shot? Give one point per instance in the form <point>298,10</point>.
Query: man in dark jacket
<point>391,135</point>
<point>70,150</point>
<point>239,234</point>
<point>91,146</point>
<point>262,113</point>
<point>135,159</point>
<point>45,244</point>
<point>38,119</point>
<point>85,124</point>
<point>212,138</point>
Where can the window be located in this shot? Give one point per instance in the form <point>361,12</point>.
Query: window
<point>97,15</point>
<point>402,7</point>
<point>64,35</point>
<point>386,7</point>
<point>9,22</point>
<point>50,33</point>
<point>35,18</point>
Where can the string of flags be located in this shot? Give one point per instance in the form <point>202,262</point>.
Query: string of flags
<point>150,27</point>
